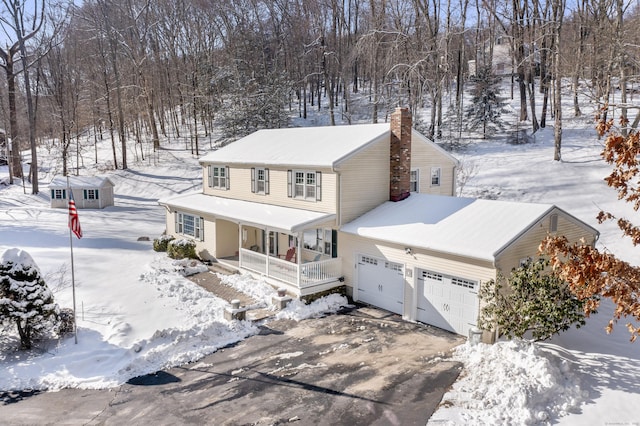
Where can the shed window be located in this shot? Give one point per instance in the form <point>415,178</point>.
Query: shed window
<point>90,194</point>
<point>59,194</point>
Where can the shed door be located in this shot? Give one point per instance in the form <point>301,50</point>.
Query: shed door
<point>381,283</point>
<point>447,302</point>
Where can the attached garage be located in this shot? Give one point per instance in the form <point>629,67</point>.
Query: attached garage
<point>425,257</point>
<point>447,302</point>
<point>381,283</point>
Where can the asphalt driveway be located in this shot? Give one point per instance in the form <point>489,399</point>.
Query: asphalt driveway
<point>361,367</point>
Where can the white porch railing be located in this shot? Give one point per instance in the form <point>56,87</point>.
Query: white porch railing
<point>302,276</point>
<point>319,272</point>
<point>253,261</point>
<point>283,270</point>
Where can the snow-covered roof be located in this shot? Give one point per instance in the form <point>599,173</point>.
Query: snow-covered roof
<point>470,227</point>
<point>80,182</point>
<point>247,212</point>
<point>299,146</point>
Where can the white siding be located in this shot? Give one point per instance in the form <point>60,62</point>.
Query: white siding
<point>206,249</point>
<point>527,245</point>
<point>240,189</point>
<point>425,156</point>
<point>365,176</point>
<point>364,181</point>
<point>350,246</point>
<point>105,198</point>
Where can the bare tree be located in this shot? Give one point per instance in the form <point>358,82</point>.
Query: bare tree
<point>558,8</point>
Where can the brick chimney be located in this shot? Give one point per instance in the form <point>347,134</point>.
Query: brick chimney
<point>400,155</point>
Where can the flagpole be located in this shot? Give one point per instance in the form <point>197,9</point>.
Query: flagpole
<point>73,277</point>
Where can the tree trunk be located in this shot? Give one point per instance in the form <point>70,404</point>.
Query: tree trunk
<point>16,163</point>
<point>558,12</point>
<point>30,115</point>
<point>152,121</point>
<point>532,103</point>
<point>107,96</point>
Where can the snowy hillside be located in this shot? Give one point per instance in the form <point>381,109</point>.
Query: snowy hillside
<point>136,314</point>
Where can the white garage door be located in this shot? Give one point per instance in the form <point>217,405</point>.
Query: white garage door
<point>381,283</point>
<point>447,302</point>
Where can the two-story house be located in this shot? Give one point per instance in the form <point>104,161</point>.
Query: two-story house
<point>367,206</point>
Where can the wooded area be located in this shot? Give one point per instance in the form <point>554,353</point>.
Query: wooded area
<point>133,70</point>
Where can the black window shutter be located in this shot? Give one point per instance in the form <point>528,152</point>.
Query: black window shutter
<point>334,243</point>
<point>253,179</point>
<point>318,186</point>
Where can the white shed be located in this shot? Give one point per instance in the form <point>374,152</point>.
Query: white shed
<point>89,192</point>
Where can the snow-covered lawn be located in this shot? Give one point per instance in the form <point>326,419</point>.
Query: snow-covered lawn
<point>137,315</point>
<point>583,376</point>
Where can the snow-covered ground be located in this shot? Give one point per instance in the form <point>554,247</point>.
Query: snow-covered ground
<point>582,376</point>
<point>136,314</point>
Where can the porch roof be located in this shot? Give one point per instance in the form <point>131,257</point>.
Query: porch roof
<point>248,213</point>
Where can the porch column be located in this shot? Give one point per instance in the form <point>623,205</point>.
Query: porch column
<point>267,248</point>
<point>239,244</point>
<point>300,237</point>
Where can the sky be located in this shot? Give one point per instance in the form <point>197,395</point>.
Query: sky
<point>137,313</point>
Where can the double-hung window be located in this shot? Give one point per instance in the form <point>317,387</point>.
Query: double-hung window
<point>218,177</point>
<point>260,181</point>
<point>323,241</point>
<point>59,194</point>
<point>435,176</point>
<point>304,184</point>
<point>414,180</point>
<point>90,194</point>
<point>189,225</point>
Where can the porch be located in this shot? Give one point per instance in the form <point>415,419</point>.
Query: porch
<point>295,248</point>
<point>303,278</point>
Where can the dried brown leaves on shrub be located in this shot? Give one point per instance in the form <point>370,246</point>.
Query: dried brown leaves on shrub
<point>590,271</point>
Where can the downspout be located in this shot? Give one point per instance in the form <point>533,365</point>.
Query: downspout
<point>239,244</point>
<point>455,180</point>
<point>339,202</point>
<point>335,170</point>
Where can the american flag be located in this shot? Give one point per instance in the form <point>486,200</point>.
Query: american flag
<point>74,220</point>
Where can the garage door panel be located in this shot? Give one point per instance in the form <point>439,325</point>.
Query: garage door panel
<point>430,315</point>
<point>447,302</point>
<point>381,283</point>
